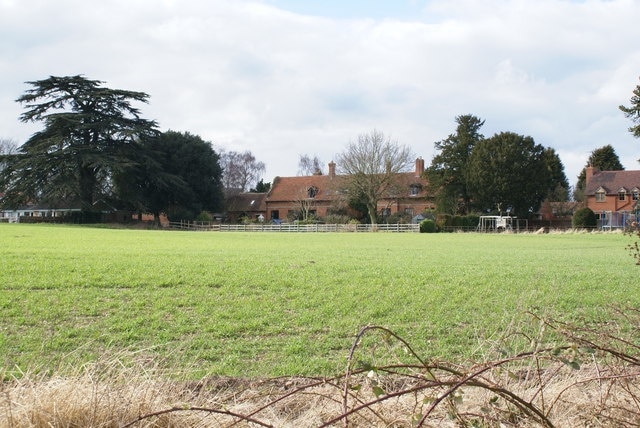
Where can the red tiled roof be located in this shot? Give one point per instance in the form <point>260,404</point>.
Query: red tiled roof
<point>409,179</point>
<point>292,188</point>
<point>612,181</point>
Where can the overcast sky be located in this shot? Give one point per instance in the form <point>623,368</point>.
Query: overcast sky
<point>283,78</point>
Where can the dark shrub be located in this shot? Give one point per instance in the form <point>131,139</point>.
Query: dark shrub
<point>427,226</point>
<point>471,221</point>
<point>448,222</point>
<point>83,217</point>
<point>204,216</point>
<point>177,213</point>
<point>584,217</point>
<point>444,221</point>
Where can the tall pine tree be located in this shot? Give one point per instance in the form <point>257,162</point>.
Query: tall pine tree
<point>448,173</point>
<point>605,159</point>
<point>87,136</point>
<point>633,112</point>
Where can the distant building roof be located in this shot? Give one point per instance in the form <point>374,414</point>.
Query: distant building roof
<point>290,188</point>
<point>293,188</point>
<point>612,181</point>
<point>246,202</point>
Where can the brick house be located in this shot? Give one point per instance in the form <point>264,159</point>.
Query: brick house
<point>319,195</point>
<point>289,195</point>
<point>613,195</point>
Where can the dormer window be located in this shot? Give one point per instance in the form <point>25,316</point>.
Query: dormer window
<point>622,194</point>
<point>635,194</point>
<point>312,192</point>
<point>600,195</point>
<point>414,189</point>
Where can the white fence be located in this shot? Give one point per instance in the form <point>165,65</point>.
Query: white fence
<point>292,227</point>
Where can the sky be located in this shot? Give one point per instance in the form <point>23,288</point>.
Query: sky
<point>285,78</point>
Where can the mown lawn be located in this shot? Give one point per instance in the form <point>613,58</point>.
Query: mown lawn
<point>270,304</point>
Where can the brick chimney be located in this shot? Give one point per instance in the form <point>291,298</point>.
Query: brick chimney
<point>332,169</point>
<point>419,166</point>
<point>589,171</point>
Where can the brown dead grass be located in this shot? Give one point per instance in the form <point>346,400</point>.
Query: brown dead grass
<point>593,396</point>
<point>591,381</point>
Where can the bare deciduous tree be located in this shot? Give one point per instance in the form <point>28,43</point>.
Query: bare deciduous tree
<point>306,202</point>
<point>370,166</point>
<point>8,147</point>
<point>240,170</point>
<point>308,165</point>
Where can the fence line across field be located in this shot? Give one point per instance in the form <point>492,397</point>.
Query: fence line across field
<point>292,227</point>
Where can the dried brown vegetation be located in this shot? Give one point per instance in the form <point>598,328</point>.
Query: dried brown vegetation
<point>592,379</point>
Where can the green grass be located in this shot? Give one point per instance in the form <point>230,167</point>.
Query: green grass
<point>268,304</point>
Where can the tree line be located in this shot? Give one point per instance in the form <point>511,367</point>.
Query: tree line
<point>506,173</point>
<point>96,148</point>
<point>509,172</point>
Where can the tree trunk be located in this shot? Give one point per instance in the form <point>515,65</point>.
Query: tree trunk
<point>373,215</point>
<point>86,184</point>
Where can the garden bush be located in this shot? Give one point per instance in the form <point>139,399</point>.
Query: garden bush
<point>449,222</point>
<point>444,221</point>
<point>428,226</point>
<point>584,217</point>
<point>204,216</point>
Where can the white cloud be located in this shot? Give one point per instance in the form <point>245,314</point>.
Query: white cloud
<point>247,75</point>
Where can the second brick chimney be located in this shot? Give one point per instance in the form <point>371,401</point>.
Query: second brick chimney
<point>419,166</point>
<point>588,174</point>
<point>332,169</point>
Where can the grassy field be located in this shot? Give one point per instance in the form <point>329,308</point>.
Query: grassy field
<point>269,304</point>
